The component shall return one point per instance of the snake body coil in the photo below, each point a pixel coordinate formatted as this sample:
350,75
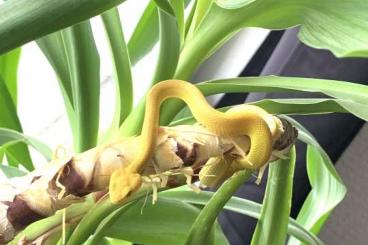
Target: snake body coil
245,120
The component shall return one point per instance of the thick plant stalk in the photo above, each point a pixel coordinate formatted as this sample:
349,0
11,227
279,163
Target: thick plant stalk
180,150
273,223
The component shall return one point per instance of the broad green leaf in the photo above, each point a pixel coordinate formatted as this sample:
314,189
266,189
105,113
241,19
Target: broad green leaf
272,226
339,26
337,89
30,20
351,96
241,206
9,119
293,106
11,136
165,68
166,222
201,229
314,106
84,67
145,35
123,74
8,70
328,190
11,172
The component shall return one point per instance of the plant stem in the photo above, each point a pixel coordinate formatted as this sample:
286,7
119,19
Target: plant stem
202,226
39,228
272,226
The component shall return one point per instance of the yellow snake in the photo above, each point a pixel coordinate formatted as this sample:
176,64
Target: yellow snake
246,120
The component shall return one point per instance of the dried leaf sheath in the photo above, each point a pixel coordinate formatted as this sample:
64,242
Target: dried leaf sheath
67,179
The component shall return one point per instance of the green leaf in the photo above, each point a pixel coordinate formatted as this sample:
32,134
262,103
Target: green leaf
190,17
339,26
2,153
11,136
272,226
201,7
337,89
107,223
300,106
84,67
233,4
314,106
166,222
352,96
9,119
293,106
165,68
123,74
22,21
328,190
53,48
238,205
169,47
11,172
200,230
165,6
8,70
97,213
145,35
110,241
178,8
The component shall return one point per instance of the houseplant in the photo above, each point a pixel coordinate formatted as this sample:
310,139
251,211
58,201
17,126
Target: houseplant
184,44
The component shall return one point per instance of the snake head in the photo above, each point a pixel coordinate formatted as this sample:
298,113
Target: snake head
122,183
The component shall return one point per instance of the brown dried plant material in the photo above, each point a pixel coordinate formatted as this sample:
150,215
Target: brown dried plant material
181,150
